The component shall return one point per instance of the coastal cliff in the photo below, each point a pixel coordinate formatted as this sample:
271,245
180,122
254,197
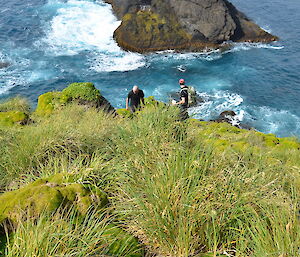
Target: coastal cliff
79,180
154,25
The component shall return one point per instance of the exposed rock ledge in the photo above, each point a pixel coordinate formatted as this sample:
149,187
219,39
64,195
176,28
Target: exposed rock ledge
192,25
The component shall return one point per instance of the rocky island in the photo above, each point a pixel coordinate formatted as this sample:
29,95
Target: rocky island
183,25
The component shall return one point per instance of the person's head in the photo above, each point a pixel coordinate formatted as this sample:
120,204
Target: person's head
181,82
135,89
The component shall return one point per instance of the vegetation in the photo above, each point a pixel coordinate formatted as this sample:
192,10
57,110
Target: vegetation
80,92
17,103
173,188
13,117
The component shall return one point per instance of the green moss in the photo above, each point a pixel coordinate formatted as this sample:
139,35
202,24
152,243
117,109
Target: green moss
151,101
51,101
224,136
43,195
148,31
124,113
289,143
123,241
13,117
85,91
271,140
48,102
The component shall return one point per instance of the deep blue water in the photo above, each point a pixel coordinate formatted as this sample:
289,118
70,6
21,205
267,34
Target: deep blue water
51,43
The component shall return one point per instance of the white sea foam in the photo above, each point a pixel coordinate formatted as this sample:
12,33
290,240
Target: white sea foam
121,61
88,26
270,120
263,118
217,102
248,46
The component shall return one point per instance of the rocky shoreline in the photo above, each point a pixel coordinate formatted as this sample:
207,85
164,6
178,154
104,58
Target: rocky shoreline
185,25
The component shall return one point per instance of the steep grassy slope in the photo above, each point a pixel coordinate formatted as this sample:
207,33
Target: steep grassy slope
182,188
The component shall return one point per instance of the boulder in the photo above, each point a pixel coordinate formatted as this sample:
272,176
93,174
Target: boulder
226,116
47,195
82,93
4,65
231,118
154,25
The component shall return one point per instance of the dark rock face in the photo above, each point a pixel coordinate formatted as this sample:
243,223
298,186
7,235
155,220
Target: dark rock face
151,25
231,118
4,65
208,20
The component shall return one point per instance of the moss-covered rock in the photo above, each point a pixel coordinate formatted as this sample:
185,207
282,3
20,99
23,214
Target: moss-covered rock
123,241
48,102
13,117
47,195
124,113
149,31
81,93
223,136
150,100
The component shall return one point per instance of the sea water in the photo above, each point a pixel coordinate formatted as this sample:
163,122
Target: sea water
51,43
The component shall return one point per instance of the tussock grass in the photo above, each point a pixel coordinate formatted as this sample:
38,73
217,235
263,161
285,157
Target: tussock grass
183,188
64,234
17,103
73,133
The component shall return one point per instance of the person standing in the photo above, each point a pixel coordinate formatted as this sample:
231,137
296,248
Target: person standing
184,100
134,99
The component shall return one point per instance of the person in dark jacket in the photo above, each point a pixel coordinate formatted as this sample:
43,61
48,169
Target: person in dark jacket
184,100
134,99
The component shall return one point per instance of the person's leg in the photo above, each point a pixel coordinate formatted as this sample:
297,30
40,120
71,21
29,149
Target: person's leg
132,108
184,115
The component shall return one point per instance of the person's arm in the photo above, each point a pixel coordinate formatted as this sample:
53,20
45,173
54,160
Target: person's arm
127,103
182,101
142,98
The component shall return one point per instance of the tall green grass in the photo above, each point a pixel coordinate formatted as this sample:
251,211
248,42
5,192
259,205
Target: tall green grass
182,189
17,103
64,234
73,133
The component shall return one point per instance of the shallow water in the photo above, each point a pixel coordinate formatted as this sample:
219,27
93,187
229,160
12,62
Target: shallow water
55,42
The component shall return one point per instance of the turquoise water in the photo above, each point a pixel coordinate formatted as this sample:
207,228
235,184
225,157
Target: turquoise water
56,42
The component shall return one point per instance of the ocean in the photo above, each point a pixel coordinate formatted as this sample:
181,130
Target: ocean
51,43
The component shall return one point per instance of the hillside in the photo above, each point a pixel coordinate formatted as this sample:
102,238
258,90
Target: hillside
78,180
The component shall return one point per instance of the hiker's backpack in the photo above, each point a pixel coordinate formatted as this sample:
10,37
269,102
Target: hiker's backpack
192,96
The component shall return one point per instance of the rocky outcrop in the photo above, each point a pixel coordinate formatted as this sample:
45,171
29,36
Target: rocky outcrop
81,93
152,25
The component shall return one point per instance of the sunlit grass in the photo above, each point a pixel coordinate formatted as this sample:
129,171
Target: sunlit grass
183,188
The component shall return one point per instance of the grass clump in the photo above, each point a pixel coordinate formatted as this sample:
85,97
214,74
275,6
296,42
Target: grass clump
63,234
72,134
17,103
182,188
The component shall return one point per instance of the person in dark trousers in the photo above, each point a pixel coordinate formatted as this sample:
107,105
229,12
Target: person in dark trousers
134,99
184,100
